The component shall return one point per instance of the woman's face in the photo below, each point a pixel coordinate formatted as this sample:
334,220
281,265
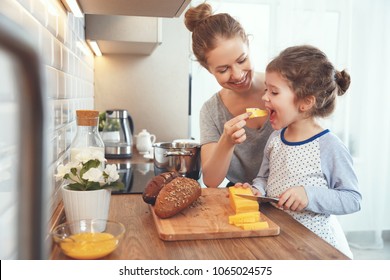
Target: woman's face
229,62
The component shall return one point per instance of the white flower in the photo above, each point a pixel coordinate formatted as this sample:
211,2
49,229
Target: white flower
85,172
111,173
93,174
62,170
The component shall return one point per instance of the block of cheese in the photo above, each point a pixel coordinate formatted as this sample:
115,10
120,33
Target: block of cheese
254,226
241,218
247,214
256,112
240,204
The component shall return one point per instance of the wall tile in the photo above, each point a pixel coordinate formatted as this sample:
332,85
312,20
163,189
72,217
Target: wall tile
32,29
54,148
62,26
46,48
12,10
72,63
68,86
57,55
65,59
25,3
52,19
61,85
51,77
57,113
65,112
39,12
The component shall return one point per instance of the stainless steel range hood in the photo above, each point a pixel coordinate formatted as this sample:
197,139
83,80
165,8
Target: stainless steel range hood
128,26
147,8
124,34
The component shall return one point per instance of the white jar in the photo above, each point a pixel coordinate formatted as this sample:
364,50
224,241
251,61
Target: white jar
145,141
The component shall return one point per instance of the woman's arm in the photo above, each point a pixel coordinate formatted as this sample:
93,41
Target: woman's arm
216,157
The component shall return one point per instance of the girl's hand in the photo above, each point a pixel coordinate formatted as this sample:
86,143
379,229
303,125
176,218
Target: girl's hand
234,129
294,199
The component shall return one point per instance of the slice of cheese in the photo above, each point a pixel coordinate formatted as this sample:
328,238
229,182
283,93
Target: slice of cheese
241,218
240,204
256,112
254,226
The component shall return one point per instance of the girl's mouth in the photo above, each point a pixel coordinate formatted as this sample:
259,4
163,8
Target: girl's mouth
272,115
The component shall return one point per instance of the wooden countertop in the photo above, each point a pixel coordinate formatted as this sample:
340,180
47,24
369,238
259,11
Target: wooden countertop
141,240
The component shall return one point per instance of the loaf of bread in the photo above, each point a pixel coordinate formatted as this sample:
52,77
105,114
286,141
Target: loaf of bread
176,196
154,186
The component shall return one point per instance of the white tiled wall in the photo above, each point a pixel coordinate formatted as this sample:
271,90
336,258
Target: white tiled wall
68,79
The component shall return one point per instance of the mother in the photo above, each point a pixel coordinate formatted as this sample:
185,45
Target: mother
232,144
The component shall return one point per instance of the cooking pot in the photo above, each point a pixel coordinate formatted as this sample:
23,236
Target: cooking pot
182,157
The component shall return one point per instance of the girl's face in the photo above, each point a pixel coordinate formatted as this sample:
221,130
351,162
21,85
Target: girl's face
230,64
280,101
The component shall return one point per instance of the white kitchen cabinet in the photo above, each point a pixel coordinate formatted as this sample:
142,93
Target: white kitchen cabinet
124,34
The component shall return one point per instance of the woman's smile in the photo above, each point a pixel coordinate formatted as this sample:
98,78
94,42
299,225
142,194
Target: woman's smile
244,82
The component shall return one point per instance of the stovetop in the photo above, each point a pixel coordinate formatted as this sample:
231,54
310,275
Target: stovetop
135,176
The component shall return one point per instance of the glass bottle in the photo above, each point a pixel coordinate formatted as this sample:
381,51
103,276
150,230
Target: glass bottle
87,137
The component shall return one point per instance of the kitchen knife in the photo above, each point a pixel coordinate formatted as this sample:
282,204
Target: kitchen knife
259,198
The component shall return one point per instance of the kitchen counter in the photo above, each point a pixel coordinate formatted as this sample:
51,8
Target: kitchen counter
141,240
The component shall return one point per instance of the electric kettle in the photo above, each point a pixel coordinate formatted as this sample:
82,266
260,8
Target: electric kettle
117,134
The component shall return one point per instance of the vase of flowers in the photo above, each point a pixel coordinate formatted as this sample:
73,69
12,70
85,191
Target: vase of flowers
86,191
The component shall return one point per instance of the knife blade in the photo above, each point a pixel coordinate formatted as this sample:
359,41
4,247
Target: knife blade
259,198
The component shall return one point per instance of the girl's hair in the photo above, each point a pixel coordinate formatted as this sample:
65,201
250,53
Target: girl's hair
309,72
207,28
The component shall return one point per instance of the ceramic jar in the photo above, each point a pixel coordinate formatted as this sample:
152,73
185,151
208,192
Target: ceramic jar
145,141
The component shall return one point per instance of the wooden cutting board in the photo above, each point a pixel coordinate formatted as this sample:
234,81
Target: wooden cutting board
207,219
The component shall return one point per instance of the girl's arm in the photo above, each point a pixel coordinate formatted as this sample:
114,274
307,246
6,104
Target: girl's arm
342,195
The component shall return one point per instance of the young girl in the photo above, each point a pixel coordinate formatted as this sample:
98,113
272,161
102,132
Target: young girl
305,165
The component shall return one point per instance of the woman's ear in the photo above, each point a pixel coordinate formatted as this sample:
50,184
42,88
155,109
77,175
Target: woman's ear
307,103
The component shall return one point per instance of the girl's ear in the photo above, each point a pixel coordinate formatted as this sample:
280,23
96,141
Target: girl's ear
307,103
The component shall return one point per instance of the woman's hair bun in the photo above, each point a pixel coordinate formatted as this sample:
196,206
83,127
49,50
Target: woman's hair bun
196,15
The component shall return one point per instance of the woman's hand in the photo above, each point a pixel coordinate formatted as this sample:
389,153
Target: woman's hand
234,128
247,185
294,199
